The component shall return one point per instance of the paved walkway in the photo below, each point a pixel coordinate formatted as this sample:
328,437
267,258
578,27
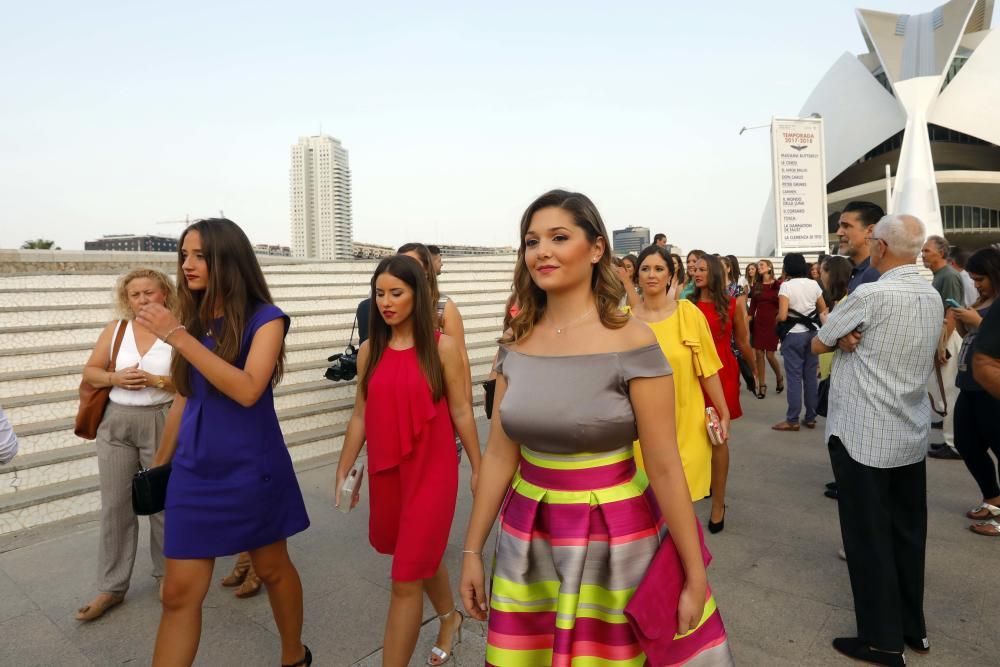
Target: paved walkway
782,590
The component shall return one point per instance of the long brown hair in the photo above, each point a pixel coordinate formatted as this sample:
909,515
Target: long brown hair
716,287
410,272
758,284
428,263
235,282
604,282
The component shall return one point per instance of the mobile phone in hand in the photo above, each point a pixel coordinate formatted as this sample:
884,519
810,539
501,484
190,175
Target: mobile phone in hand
951,303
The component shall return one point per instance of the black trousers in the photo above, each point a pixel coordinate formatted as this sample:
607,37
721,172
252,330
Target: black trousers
883,520
975,435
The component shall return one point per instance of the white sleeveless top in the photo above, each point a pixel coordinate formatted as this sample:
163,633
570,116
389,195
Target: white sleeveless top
155,361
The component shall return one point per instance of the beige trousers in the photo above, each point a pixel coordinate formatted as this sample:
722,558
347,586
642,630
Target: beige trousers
128,435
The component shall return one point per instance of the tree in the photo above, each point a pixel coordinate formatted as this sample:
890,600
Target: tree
40,244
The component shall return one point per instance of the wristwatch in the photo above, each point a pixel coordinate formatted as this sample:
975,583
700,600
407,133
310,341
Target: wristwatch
160,384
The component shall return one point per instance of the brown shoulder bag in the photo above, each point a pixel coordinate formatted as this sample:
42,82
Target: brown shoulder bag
94,400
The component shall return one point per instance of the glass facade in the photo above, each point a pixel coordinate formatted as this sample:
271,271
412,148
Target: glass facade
969,218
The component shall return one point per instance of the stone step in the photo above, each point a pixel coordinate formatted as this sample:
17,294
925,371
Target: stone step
30,507
34,470
57,433
307,329
296,276
19,384
16,318
96,297
77,354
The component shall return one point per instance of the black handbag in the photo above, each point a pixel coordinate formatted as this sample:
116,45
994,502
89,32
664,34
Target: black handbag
489,390
149,490
823,396
811,322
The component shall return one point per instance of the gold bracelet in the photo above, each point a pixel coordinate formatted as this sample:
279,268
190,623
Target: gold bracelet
172,331
477,553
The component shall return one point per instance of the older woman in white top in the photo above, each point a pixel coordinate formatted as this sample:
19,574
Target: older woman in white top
141,393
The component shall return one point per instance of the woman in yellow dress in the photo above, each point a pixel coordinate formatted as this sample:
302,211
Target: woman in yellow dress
686,341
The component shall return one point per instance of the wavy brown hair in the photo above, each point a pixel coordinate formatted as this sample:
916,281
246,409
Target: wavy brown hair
664,255
122,307
410,272
716,287
235,283
604,282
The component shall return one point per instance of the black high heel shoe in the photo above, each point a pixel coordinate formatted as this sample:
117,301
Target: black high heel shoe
714,527
780,386
305,661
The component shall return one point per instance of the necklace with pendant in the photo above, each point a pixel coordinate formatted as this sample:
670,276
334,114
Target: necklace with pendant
559,330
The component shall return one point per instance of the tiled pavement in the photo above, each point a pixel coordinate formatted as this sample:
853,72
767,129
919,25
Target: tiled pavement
782,590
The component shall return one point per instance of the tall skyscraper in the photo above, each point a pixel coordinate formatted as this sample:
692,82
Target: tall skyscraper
320,199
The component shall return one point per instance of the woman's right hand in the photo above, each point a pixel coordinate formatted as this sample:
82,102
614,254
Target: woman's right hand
472,586
341,478
130,378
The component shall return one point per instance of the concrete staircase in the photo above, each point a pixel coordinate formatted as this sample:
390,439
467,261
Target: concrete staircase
49,322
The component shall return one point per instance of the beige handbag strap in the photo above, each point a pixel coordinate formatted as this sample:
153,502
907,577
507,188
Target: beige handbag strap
944,401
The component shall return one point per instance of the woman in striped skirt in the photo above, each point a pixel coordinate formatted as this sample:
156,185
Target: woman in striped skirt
577,382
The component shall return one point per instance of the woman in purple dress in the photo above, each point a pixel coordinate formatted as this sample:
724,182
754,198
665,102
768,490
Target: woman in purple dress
232,487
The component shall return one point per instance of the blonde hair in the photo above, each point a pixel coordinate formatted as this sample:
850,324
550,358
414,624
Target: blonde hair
122,307
604,282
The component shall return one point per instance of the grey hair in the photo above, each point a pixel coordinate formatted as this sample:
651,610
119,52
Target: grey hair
903,234
941,243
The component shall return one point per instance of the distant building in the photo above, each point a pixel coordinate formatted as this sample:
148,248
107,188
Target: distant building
374,251
133,243
320,199
630,239
273,250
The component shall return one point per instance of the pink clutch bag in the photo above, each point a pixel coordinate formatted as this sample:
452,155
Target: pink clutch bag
652,611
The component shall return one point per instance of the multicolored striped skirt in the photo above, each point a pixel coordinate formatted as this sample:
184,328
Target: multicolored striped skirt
577,533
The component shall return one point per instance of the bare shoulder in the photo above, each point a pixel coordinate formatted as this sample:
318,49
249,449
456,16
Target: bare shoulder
635,334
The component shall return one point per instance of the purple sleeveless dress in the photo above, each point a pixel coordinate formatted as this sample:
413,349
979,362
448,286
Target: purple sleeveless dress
232,487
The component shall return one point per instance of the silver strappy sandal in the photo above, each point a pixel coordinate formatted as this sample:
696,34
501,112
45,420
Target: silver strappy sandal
441,655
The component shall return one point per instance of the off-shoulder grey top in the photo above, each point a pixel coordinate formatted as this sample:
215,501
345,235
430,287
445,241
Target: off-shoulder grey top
572,404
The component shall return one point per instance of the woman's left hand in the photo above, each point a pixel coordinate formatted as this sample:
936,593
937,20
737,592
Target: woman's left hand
967,316
157,319
691,606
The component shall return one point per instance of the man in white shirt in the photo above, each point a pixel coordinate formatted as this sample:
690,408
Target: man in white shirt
877,432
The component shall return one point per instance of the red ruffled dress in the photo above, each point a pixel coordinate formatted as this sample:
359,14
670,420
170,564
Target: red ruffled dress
730,373
413,479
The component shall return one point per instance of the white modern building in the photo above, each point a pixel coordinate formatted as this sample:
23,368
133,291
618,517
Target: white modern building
924,100
319,184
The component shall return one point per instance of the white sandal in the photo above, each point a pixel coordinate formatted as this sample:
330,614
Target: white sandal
442,655
976,512
989,528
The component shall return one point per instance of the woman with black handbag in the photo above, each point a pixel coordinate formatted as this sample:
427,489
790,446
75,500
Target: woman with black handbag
232,487
129,432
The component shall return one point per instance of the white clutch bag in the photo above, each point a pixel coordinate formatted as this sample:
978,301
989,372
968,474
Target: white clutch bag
351,484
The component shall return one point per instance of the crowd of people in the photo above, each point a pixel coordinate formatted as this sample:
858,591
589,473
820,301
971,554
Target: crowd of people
598,555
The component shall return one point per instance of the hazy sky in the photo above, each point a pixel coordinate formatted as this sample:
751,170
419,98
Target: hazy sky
116,115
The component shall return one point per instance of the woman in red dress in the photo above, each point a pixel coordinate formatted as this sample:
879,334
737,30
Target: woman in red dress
724,318
763,318
411,391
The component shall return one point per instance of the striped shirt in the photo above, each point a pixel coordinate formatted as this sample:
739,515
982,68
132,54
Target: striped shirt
878,404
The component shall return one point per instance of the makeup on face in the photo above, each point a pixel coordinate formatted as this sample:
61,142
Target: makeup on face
193,263
393,298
